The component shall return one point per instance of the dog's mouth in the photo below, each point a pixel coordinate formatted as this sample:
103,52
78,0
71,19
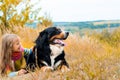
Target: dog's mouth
59,41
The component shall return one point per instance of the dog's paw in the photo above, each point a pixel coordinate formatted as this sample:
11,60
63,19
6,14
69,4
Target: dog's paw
46,68
65,68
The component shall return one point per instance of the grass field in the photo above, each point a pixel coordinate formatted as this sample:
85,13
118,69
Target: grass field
90,57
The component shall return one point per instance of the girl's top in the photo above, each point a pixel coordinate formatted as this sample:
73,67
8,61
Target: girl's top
19,61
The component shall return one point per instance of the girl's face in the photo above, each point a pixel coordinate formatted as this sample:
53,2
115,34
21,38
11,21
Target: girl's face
16,45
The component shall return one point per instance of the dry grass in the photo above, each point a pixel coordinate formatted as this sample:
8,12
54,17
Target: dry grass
89,59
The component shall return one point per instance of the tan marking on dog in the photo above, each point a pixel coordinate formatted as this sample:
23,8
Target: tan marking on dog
61,35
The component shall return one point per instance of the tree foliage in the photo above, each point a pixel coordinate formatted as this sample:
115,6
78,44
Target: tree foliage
17,12
46,21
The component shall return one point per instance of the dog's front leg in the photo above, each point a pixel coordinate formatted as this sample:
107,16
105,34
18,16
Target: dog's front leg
64,66
46,68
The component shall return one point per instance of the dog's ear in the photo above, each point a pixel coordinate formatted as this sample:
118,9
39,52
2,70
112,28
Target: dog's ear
42,38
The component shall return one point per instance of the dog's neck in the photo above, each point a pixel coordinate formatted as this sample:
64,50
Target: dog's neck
56,49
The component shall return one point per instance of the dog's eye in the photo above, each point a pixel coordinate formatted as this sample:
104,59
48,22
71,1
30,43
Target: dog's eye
59,30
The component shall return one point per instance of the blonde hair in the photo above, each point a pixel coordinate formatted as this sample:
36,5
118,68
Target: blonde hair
6,52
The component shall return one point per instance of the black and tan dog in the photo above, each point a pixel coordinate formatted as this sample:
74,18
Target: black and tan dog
48,53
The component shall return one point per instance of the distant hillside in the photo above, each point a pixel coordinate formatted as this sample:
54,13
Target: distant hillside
90,24
77,26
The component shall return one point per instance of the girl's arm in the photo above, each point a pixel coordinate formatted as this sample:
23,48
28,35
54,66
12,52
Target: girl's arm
20,72
12,74
9,72
27,51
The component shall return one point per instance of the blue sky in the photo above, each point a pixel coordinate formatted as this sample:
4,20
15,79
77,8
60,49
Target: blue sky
81,10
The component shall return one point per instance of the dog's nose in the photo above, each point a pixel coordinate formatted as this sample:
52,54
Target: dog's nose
67,33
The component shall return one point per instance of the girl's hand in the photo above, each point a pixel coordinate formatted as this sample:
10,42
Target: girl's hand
22,71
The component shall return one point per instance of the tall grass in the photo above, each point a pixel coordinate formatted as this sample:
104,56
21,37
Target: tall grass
91,57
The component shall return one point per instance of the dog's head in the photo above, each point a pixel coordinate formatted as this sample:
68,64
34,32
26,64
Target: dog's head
52,35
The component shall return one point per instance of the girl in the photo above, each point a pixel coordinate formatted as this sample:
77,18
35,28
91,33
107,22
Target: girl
12,54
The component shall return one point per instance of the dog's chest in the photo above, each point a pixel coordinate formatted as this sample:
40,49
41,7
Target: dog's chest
55,51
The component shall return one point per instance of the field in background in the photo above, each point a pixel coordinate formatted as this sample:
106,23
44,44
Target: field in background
94,56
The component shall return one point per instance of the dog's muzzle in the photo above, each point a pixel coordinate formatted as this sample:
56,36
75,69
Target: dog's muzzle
65,35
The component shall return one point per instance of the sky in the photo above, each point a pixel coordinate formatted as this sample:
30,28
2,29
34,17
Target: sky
80,10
